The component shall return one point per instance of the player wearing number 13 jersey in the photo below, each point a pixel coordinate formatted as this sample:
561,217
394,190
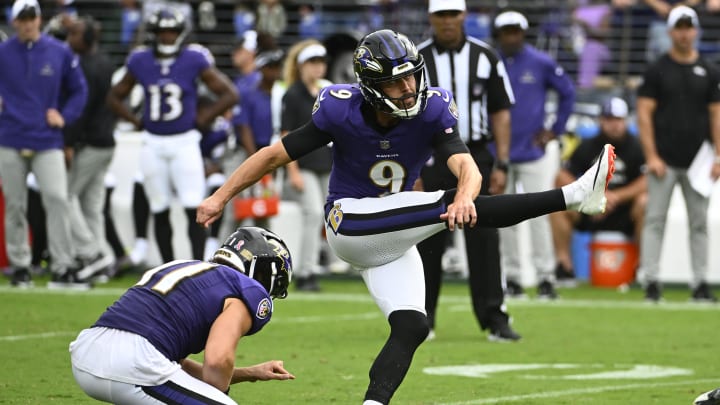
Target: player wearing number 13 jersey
383,129
170,156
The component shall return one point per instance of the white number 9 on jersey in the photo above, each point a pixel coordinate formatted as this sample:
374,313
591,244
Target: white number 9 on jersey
388,174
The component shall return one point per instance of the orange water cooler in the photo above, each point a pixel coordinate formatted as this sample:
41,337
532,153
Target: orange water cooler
613,259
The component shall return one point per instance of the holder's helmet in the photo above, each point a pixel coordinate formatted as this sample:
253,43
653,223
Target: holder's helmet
383,56
259,254
167,19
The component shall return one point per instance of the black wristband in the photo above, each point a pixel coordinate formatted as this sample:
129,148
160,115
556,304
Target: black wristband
502,165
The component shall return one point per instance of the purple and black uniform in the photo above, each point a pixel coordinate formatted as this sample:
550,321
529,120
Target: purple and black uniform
370,161
173,306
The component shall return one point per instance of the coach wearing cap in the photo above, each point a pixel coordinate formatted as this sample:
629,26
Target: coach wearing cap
474,73
627,190
42,89
678,108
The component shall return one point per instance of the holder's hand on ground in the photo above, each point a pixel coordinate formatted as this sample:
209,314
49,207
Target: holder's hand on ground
270,370
209,211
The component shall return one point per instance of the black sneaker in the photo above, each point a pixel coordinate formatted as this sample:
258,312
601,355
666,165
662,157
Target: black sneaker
513,289
21,278
702,293
565,277
652,292
308,283
503,333
708,398
546,291
93,266
68,281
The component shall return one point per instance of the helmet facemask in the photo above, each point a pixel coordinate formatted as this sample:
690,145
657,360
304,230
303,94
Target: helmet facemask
168,50
168,20
382,102
385,56
274,283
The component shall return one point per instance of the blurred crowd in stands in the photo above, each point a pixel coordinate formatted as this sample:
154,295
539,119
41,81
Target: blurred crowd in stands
600,43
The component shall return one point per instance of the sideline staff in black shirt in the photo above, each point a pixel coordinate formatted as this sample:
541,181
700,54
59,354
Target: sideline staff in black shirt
678,108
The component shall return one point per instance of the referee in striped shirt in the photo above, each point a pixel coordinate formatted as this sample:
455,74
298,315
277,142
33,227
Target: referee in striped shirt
477,78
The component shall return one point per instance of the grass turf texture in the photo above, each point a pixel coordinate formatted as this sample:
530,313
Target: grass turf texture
328,340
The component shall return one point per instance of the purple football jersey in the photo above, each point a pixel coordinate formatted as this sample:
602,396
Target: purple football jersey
170,87
174,305
368,162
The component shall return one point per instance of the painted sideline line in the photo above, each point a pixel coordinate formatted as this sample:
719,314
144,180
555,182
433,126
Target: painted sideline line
300,319
452,299
580,391
607,304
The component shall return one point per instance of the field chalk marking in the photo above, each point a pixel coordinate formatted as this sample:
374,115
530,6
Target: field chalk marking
35,336
458,302
300,319
579,391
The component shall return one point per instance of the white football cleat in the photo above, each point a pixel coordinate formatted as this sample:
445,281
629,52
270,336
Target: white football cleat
589,190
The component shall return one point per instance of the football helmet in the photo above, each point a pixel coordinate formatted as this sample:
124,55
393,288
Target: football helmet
167,19
383,56
260,255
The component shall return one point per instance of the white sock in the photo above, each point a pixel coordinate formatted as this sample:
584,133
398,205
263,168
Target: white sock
573,194
371,402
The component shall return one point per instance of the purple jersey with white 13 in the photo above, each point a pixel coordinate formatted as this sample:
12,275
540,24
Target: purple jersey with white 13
170,87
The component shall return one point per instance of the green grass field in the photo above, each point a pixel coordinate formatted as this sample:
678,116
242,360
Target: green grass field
592,346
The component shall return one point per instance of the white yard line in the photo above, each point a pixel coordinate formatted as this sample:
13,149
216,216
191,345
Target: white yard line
300,319
460,302
346,317
604,304
36,336
44,291
710,382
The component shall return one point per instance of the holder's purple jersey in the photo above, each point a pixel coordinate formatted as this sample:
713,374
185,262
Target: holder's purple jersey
174,305
170,87
369,161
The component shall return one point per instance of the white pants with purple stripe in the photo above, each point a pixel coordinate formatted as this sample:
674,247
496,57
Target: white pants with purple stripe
378,236
124,368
